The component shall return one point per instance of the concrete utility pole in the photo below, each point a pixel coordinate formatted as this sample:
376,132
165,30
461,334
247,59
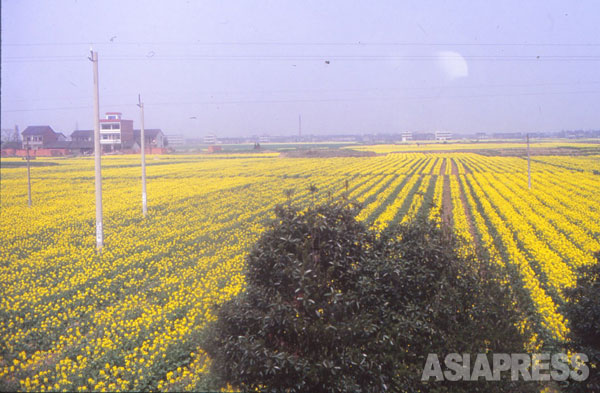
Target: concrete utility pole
28,177
143,148
528,165
97,153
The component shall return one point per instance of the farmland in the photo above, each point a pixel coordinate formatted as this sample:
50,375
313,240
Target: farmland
132,318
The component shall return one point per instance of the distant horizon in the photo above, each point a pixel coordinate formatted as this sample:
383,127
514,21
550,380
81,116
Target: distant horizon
318,133
454,136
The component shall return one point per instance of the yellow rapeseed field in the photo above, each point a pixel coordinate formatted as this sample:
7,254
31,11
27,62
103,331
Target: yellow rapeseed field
132,317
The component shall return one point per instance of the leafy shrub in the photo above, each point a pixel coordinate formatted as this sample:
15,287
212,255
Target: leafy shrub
583,311
332,306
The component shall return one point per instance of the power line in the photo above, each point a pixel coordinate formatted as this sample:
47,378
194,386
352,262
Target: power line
354,99
45,109
328,58
307,43
299,91
371,98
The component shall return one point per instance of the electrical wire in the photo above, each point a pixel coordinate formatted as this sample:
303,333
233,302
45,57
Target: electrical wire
314,100
326,58
283,43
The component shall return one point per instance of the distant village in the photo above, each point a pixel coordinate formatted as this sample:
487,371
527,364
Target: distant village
378,138
117,135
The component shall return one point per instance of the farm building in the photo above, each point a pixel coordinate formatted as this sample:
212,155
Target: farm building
37,137
406,136
115,132
210,139
116,135
174,140
82,135
443,135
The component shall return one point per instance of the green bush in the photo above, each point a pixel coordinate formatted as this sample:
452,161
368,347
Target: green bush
583,311
332,306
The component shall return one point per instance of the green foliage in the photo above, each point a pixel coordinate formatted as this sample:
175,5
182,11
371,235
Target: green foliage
332,306
583,311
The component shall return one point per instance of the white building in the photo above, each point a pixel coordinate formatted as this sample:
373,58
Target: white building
175,140
210,139
443,135
115,133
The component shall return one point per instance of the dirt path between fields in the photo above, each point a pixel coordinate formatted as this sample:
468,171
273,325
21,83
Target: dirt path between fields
454,167
446,198
443,167
446,205
467,169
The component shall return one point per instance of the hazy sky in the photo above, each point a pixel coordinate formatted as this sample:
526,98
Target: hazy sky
251,67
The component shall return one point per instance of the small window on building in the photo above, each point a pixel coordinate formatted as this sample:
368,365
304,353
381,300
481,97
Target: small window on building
106,126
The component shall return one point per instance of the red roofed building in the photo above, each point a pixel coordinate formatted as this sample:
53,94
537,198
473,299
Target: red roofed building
37,137
115,133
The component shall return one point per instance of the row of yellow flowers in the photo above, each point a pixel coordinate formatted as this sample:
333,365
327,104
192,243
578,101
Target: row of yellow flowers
552,321
544,236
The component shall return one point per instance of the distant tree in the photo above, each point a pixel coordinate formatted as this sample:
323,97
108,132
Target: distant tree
583,311
11,135
331,306
16,136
